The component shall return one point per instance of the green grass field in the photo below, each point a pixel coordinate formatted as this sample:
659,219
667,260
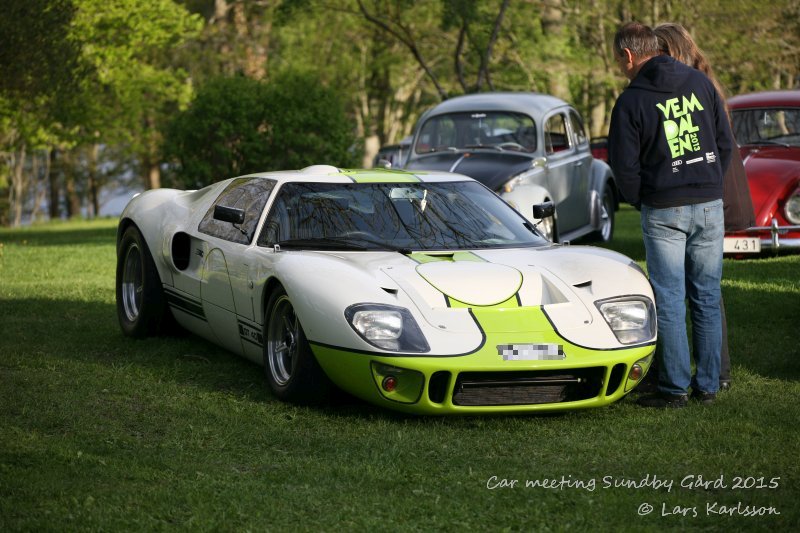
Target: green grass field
101,432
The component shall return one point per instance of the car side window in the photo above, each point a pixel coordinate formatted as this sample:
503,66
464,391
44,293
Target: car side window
248,194
577,127
556,138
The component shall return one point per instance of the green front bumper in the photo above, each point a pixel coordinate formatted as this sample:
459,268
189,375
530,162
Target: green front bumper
482,382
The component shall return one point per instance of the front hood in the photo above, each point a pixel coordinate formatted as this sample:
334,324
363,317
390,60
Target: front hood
446,292
493,169
771,172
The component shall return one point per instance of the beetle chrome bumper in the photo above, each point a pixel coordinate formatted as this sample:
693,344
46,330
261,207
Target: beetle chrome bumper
775,241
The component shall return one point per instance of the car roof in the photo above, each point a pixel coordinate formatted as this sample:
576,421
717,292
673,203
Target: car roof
331,174
534,104
790,98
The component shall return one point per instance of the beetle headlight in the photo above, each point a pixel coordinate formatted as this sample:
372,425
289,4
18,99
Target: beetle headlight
387,327
511,184
792,208
632,319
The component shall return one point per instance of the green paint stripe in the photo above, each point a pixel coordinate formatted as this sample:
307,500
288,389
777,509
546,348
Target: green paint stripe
382,176
456,304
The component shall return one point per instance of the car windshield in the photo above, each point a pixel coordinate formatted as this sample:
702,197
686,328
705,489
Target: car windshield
466,131
767,126
391,216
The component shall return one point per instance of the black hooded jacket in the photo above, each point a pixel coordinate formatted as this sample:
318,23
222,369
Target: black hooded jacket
669,142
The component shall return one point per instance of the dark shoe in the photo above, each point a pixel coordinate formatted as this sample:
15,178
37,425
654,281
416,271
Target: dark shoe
706,398
646,386
724,384
663,401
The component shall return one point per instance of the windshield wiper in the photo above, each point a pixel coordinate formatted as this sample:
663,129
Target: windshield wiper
484,146
768,141
341,243
383,245
322,243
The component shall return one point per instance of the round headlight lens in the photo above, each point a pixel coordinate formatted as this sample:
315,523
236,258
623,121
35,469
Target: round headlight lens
379,325
792,208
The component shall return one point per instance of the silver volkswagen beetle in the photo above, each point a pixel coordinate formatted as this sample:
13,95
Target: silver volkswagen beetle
530,148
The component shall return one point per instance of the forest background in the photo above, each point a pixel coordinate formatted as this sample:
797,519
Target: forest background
101,95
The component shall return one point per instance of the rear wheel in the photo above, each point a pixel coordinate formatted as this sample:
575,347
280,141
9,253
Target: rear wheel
606,230
292,371
141,306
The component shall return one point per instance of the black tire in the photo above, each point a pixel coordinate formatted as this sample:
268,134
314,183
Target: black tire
606,231
293,373
141,306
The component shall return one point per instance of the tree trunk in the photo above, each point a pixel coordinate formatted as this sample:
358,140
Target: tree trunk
71,192
153,180
39,182
91,182
16,193
52,179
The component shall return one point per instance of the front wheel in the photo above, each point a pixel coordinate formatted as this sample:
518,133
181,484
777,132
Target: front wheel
292,371
141,306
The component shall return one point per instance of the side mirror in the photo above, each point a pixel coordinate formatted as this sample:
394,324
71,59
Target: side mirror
384,163
228,214
544,210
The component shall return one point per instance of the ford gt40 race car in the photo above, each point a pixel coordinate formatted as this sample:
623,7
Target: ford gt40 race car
421,292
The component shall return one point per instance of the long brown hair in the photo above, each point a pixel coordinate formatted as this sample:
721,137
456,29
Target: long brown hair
674,40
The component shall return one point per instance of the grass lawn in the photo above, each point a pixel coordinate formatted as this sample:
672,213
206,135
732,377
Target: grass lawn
101,432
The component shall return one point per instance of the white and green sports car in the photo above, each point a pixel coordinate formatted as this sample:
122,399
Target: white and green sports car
421,292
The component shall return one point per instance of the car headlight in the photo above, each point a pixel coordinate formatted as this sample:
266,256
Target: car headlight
511,184
792,208
632,319
387,327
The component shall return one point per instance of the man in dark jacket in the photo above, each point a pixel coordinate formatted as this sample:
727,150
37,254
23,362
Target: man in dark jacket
669,146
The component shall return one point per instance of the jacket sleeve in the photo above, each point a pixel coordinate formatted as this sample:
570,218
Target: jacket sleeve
623,152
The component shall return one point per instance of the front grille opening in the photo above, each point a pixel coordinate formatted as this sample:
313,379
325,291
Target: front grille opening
437,387
528,387
615,380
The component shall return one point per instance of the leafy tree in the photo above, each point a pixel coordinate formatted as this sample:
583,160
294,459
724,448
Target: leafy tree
238,125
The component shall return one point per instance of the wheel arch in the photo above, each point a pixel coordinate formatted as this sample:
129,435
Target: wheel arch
602,175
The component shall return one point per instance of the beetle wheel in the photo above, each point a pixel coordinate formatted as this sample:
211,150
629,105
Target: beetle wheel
606,230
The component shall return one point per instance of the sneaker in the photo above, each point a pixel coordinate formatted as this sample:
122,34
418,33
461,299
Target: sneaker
724,384
706,398
663,401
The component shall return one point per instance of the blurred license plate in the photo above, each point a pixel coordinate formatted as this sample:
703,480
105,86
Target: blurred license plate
741,245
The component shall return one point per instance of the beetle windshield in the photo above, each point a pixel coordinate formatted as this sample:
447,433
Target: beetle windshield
394,216
466,131
767,126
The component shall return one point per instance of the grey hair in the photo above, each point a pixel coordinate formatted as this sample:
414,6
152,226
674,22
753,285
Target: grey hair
639,38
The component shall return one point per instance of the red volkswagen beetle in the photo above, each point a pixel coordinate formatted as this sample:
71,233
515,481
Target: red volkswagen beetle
767,128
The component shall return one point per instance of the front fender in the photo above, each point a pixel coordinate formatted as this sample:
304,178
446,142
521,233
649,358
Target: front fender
524,197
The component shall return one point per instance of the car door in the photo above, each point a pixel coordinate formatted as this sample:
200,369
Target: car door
583,168
225,290
566,173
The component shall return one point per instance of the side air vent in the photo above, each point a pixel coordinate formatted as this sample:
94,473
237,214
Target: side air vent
181,245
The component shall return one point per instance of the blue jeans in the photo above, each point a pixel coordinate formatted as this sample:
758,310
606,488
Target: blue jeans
684,260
